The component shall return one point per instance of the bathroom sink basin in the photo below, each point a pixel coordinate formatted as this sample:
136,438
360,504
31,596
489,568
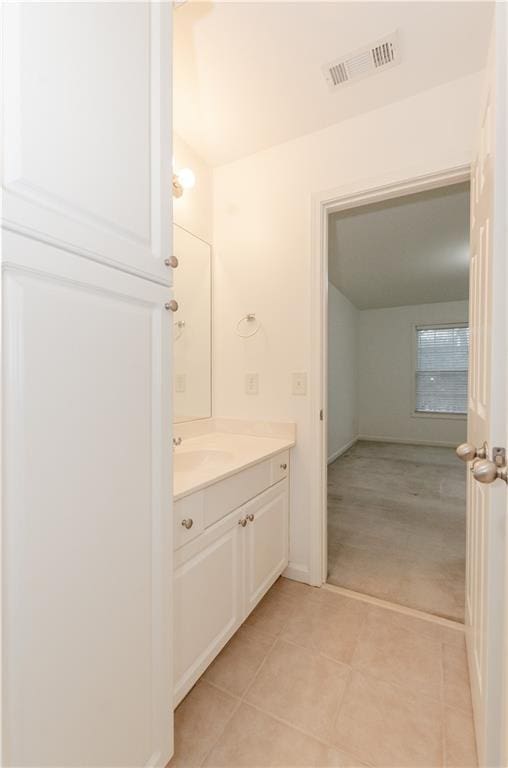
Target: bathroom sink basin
189,461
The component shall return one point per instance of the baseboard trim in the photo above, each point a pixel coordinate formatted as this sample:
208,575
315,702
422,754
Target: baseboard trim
336,454
450,623
297,572
404,441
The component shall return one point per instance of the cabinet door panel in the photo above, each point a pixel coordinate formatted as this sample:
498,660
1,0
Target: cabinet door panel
207,595
86,102
266,543
87,536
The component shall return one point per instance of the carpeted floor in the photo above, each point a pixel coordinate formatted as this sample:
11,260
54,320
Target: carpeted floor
397,525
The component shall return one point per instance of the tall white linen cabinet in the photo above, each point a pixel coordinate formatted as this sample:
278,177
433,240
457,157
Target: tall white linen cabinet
86,533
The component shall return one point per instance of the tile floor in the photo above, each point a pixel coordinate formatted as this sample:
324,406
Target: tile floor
396,525
314,678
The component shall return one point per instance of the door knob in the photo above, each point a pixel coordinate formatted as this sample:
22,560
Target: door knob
172,305
486,471
188,523
171,262
467,452
242,522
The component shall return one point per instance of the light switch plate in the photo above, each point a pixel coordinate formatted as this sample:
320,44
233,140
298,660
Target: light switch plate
299,383
180,383
251,383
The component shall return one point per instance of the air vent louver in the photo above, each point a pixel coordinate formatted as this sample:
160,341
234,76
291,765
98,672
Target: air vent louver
380,55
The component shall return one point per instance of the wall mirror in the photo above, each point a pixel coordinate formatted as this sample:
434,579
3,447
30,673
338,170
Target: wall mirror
192,329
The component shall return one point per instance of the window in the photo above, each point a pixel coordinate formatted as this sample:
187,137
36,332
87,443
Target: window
441,369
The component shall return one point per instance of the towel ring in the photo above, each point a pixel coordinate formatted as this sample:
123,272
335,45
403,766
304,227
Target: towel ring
250,318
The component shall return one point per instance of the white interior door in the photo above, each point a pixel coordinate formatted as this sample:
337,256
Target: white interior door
487,504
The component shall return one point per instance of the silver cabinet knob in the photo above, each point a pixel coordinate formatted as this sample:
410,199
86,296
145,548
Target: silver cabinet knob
171,262
172,305
250,517
468,452
486,471
188,523
283,466
242,521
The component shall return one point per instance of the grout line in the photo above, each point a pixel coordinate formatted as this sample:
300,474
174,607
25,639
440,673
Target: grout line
246,691
442,707
308,734
226,723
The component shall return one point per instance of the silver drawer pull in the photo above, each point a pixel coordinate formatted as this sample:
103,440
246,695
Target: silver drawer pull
250,517
242,521
283,466
188,523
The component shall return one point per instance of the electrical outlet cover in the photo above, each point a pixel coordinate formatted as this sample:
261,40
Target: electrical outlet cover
299,383
251,383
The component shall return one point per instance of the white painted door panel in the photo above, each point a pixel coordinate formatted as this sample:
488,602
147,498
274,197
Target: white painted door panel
207,600
86,512
86,107
267,542
487,504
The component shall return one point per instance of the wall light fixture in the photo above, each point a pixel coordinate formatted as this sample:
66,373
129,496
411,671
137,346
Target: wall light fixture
184,179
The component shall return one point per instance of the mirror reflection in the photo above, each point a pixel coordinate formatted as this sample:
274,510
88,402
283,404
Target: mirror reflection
192,327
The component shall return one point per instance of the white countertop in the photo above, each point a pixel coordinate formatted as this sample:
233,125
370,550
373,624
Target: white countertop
204,459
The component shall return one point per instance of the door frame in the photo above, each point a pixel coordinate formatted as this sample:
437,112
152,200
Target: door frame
343,198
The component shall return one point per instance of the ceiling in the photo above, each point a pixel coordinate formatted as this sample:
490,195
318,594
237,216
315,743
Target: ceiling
248,76
410,250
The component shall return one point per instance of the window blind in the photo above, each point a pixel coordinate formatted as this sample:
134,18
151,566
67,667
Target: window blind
441,369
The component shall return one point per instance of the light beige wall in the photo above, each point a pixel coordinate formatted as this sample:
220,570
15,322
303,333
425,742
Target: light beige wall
262,245
386,374
193,211
343,352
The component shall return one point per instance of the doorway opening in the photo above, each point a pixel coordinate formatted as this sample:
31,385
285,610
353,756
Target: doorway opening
395,369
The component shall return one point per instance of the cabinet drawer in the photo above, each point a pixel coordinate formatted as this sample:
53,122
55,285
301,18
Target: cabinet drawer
190,510
279,466
229,494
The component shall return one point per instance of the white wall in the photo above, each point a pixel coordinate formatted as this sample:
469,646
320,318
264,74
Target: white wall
193,211
262,245
386,388
343,318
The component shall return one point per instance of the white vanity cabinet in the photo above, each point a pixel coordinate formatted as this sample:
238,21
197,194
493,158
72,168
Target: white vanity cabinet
208,599
226,568
266,542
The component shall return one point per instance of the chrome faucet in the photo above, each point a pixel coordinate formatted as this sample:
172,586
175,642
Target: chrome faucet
177,441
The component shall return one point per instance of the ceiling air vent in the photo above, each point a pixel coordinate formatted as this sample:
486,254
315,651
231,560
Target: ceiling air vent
380,55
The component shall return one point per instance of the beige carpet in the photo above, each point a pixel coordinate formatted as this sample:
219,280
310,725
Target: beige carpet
397,525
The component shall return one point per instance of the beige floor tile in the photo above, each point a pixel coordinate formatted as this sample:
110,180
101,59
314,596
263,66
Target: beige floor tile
253,739
388,727
301,687
235,667
271,615
397,655
199,721
330,625
295,589
460,747
457,691
447,634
